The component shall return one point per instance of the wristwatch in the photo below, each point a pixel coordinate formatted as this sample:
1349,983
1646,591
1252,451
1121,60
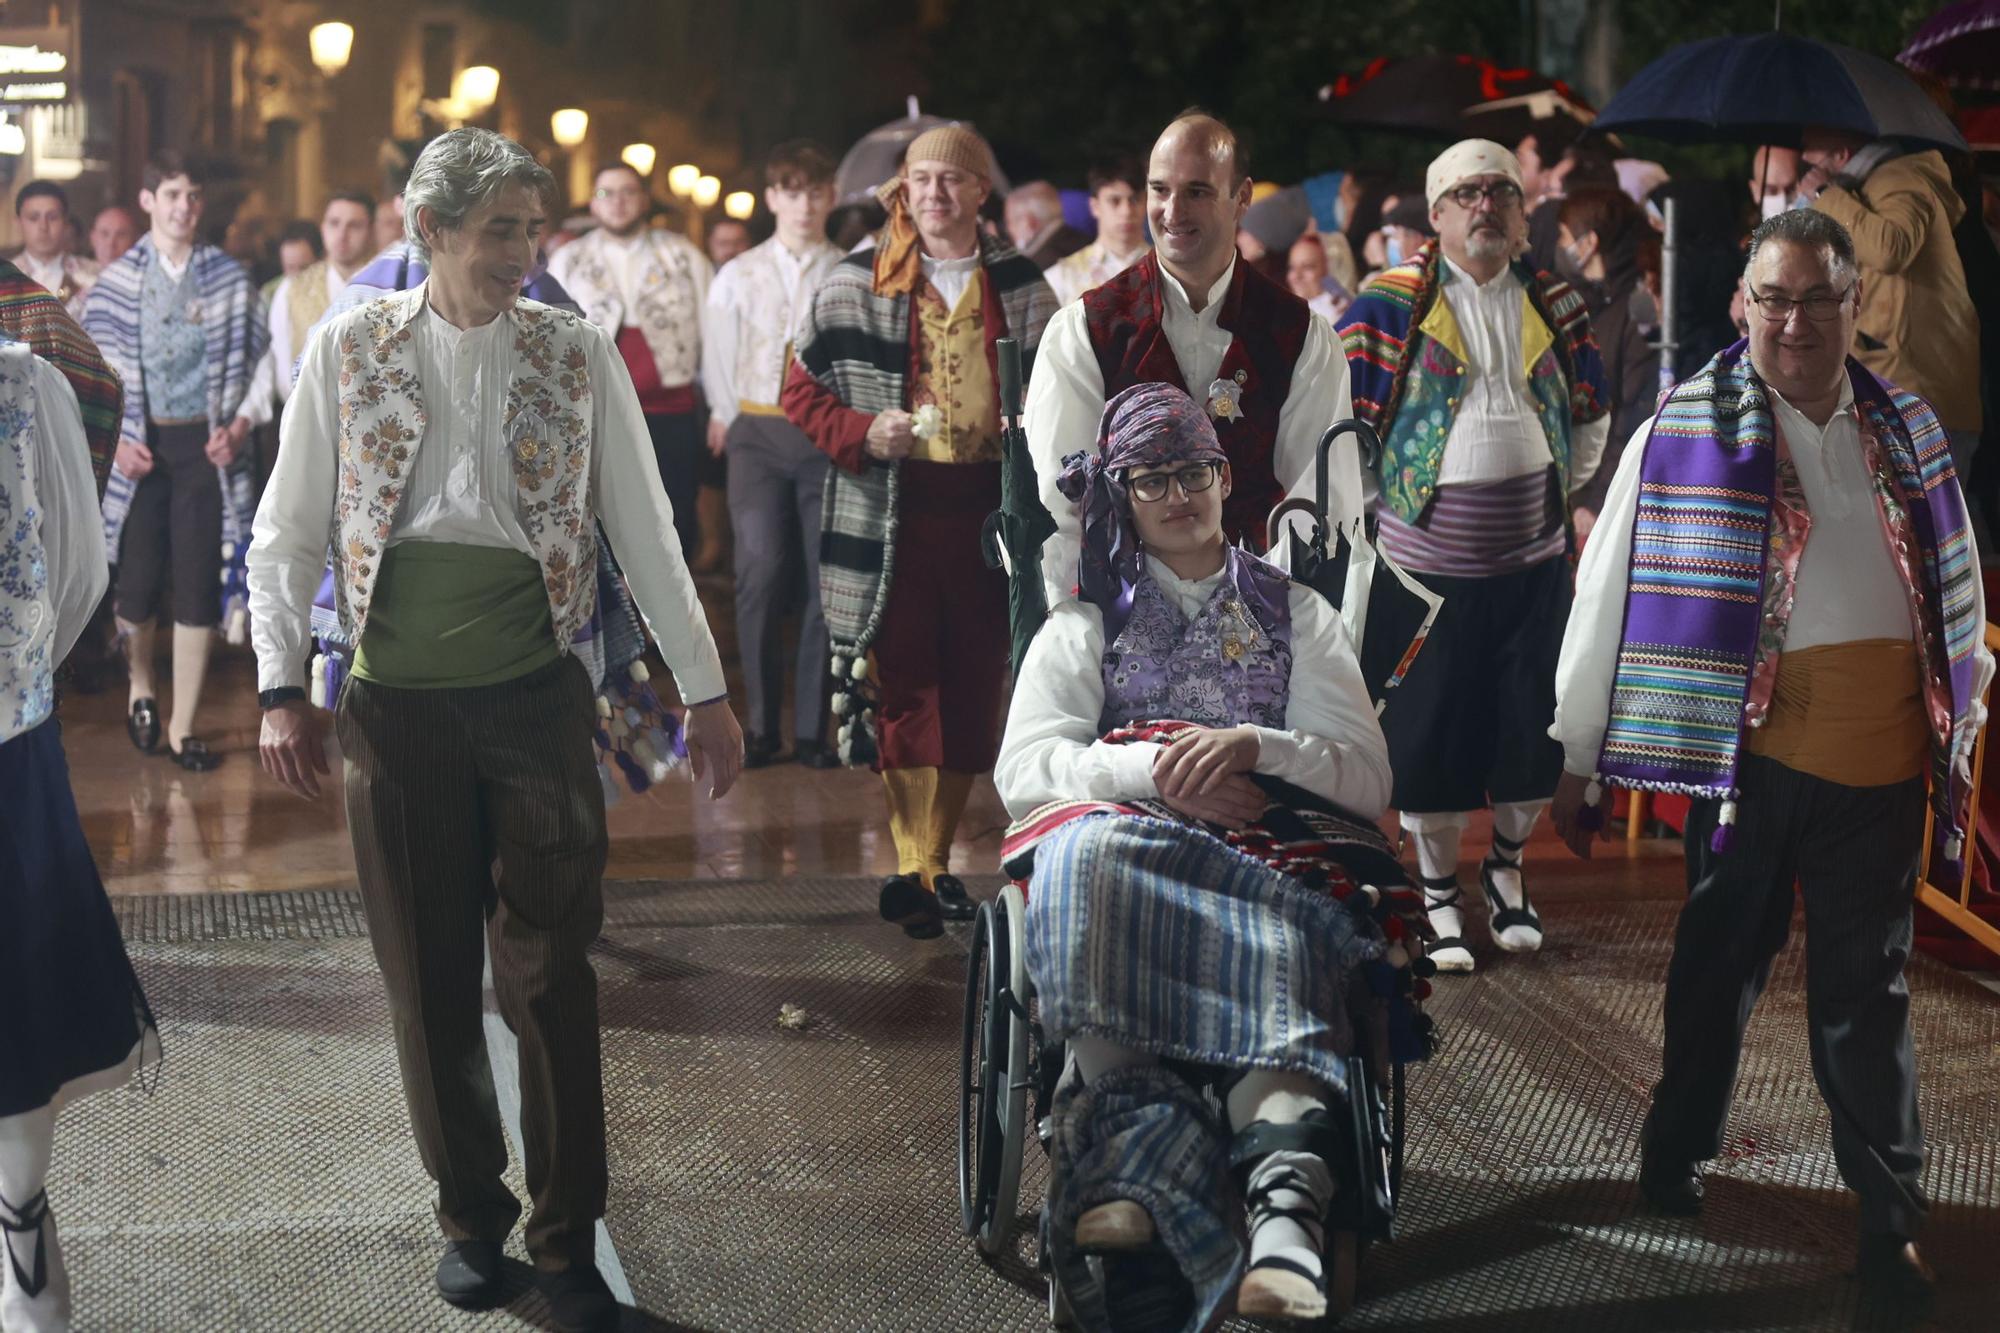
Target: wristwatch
284,694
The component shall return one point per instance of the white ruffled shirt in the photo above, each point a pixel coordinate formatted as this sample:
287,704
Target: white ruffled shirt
1331,743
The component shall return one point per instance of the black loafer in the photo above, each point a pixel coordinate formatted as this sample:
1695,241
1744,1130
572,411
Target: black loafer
815,754
1673,1188
468,1276
759,751
143,725
907,903
953,901
194,756
579,1301
1893,1270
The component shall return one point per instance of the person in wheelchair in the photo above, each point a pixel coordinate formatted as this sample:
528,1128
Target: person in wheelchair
1193,758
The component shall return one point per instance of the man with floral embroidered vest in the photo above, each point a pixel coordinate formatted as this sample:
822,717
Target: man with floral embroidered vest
457,446
179,323
1780,615
1480,376
777,480
897,382
1191,315
646,287
76,1019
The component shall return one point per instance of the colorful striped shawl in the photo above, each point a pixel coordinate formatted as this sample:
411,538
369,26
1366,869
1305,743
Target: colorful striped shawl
237,335
32,314
1694,608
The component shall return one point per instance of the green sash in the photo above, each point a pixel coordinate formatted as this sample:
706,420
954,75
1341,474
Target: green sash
450,616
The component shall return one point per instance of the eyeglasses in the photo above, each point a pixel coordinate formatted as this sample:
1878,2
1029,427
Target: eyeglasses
1501,194
1819,309
1152,487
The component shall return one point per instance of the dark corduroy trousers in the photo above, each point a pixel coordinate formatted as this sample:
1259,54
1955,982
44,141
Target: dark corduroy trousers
1853,852
479,809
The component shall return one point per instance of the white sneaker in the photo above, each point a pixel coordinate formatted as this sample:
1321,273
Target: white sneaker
1509,915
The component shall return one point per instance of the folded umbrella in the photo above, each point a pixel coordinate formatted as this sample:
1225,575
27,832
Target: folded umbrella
1013,535
1768,89
1959,44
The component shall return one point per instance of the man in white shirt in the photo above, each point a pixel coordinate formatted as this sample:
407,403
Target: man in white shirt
1269,371
1118,203
456,446
42,208
646,287
345,231
776,477
1780,613
1480,377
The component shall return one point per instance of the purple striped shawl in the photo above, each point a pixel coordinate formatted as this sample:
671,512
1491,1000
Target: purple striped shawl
1695,591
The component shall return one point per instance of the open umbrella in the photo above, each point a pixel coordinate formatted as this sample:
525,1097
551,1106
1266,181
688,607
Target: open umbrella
877,155
1430,96
1959,44
1770,87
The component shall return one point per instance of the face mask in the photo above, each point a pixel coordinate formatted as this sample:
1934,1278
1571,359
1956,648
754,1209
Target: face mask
1392,248
1568,261
1774,204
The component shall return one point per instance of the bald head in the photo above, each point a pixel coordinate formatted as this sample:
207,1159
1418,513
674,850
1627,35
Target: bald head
1200,133
1196,195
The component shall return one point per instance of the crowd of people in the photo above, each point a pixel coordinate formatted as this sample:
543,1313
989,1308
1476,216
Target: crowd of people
506,441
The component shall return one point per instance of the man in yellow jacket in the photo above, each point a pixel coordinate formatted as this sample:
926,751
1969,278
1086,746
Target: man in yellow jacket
1917,327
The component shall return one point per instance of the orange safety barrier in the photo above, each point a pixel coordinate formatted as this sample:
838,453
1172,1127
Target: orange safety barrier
1959,910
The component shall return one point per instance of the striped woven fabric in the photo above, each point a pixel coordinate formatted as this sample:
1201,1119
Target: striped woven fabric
1699,541
1678,708
1479,530
32,314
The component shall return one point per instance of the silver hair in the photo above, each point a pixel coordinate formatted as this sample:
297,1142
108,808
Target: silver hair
1813,229
461,170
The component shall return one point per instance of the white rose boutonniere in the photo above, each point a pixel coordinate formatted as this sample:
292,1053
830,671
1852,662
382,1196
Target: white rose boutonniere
926,421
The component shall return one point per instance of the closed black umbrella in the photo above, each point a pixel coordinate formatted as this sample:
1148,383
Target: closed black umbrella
1450,97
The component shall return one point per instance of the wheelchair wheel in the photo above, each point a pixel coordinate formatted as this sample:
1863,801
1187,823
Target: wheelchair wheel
993,1075
1060,1315
1343,1273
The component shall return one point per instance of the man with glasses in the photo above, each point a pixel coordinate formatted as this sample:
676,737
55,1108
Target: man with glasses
1481,377
1781,615
645,287
1268,371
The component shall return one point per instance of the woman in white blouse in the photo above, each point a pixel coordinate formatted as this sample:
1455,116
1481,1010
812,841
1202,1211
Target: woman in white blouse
1188,724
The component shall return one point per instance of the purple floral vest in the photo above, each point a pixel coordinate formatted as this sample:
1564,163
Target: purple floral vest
1231,665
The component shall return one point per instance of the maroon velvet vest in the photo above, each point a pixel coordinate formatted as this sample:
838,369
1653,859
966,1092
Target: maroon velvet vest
1269,324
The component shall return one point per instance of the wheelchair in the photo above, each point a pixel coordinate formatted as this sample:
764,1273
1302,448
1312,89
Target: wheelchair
1009,1069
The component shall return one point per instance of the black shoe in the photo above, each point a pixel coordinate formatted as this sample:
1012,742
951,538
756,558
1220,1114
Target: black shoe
143,725
952,898
194,756
1146,1292
1673,1188
1893,1270
907,903
579,1302
816,754
759,751
468,1276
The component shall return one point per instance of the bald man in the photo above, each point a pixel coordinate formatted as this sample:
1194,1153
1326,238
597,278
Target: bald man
1189,314
1035,224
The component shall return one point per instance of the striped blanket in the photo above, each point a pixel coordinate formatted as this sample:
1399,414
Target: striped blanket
32,314
236,338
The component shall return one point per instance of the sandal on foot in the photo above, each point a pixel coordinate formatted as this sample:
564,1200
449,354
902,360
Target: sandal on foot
1448,952
1515,929
194,755
142,724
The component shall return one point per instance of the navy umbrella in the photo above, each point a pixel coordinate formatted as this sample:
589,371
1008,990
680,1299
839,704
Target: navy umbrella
1768,88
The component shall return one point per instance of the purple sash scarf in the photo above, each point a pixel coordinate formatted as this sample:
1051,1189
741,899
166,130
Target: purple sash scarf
1694,604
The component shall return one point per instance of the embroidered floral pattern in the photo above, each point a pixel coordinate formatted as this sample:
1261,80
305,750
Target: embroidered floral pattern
27,676
1166,666
547,424
664,307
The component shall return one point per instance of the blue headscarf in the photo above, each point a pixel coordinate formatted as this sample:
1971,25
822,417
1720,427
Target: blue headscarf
1147,425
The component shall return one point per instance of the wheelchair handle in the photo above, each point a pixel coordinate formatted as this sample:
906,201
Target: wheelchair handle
1008,352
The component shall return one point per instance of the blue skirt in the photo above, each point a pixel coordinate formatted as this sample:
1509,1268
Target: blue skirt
75,1016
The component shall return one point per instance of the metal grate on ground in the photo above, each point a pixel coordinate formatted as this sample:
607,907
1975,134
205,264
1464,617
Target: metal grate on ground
773,1179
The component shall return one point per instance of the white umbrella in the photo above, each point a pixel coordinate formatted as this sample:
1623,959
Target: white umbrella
877,155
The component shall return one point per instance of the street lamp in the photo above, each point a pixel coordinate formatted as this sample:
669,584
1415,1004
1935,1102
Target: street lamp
476,88
640,157
707,190
569,126
332,44
740,204
681,179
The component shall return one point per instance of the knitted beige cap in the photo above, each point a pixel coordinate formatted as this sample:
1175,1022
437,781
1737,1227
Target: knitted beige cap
954,145
1466,159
